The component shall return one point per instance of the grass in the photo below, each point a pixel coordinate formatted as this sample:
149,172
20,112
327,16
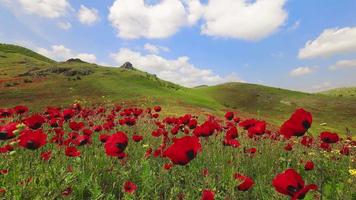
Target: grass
107,84
94,175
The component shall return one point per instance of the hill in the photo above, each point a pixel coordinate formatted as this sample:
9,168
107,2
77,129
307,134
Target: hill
29,78
341,92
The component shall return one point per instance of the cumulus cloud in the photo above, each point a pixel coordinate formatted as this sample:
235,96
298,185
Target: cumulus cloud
43,8
135,19
64,25
330,42
241,19
155,49
179,70
301,71
88,16
344,64
61,53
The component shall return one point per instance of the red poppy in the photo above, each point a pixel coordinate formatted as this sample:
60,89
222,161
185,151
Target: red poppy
297,124
229,115
2,191
288,147
208,195
309,165
30,139
46,155
345,150
246,182
192,124
20,109
167,166
5,113
116,144
291,183
205,172
5,149
72,152
76,126
148,152
82,140
157,108
207,128
130,187
68,191
103,137
183,150
4,171
68,114
137,138
34,122
7,131
307,141
325,146
328,137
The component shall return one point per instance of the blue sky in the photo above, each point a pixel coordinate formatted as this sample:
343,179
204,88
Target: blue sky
296,44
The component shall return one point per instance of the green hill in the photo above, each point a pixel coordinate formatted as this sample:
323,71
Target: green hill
29,78
341,92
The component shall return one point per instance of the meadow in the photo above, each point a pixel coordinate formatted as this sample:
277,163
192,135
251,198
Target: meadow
118,152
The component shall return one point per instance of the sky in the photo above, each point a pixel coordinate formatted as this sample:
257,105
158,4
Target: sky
294,44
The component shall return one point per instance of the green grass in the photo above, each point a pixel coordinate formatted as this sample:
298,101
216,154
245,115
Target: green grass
108,84
342,92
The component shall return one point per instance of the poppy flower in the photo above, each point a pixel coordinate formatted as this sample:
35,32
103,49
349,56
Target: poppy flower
30,139
34,122
167,166
20,109
345,150
192,124
246,182
5,113
103,137
4,171
329,138
82,140
297,124
137,138
205,172
148,152
7,131
208,195
116,144
206,129
307,141
229,115
325,146
183,150
157,108
46,155
2,191
68,114
130,187
288,147
292,184
68,191
5,149
258,128
72,152
76,126
309,166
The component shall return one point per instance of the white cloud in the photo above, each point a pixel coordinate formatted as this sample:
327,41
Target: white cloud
330,42
155,49
88,16
242,19
344,64
135,19
301,71
61,53
179,70
64,25
43,8
91,58
322,87
295,26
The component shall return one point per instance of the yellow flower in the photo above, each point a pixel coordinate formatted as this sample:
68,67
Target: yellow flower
352,172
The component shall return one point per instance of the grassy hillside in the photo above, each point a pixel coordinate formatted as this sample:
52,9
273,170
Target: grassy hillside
341,92
29,78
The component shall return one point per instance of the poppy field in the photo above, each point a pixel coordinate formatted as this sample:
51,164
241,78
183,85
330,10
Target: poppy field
120,152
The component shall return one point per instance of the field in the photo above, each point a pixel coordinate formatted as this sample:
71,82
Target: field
82,131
